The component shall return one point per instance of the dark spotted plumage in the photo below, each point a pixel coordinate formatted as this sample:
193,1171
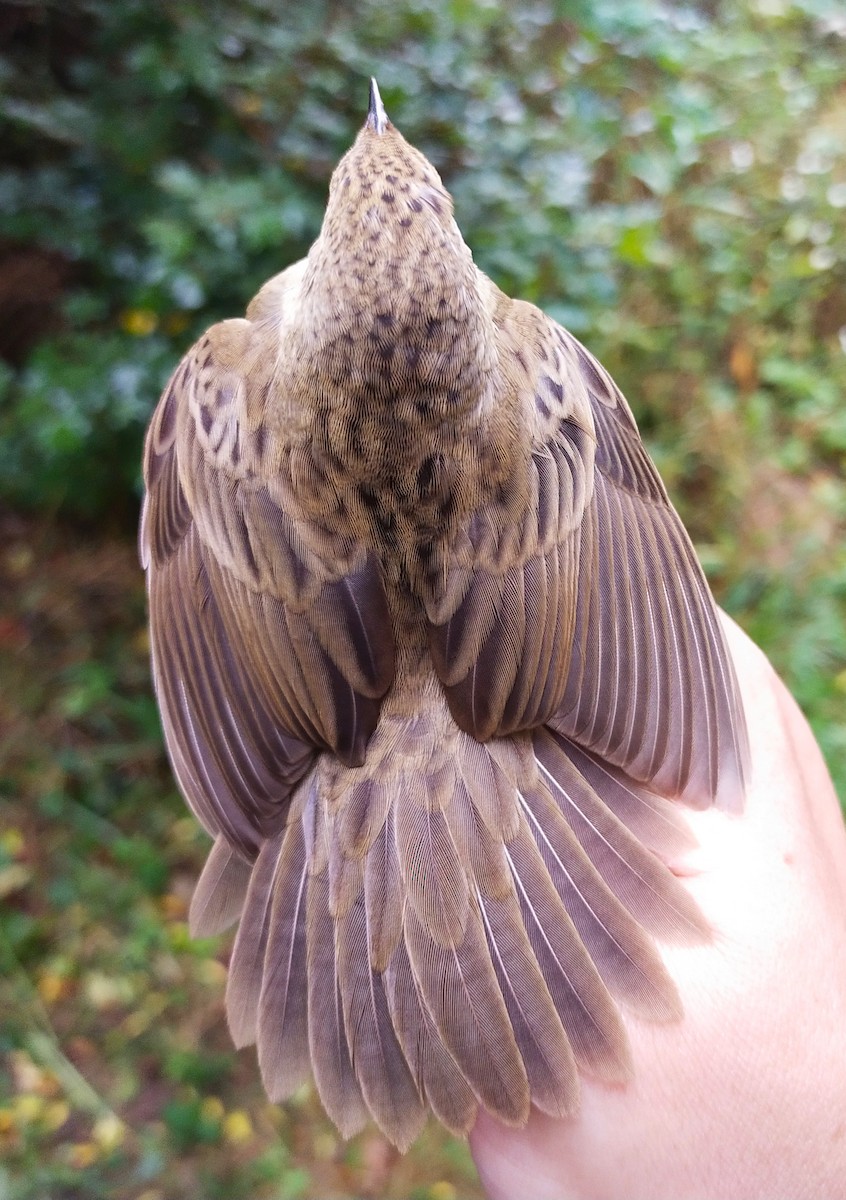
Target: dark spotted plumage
433,655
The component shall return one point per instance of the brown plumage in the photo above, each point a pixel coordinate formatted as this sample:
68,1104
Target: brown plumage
433,653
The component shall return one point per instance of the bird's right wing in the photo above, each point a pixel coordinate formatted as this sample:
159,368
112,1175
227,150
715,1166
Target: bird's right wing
575,597
651,686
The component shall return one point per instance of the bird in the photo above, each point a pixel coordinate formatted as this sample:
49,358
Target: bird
435,662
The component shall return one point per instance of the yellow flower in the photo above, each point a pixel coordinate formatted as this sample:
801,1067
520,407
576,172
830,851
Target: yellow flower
12,841
82,1155
55,1115
28,1109
247,104
140,322
51,987
109,1131
237,1127
212,1108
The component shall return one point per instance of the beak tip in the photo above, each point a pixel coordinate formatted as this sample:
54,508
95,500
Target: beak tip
377,118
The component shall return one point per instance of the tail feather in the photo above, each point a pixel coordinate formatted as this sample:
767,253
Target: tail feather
480,849
383,896
436,1073
459,987
435,879
546,1052
655,821
378,1061
451,937
246,967
334,1073
219,896
588,1014
493,793
624,956
283,1048
636,877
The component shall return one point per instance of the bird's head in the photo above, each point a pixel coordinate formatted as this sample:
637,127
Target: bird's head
390,282
386,196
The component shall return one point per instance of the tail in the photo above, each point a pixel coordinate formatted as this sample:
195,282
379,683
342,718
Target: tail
456,933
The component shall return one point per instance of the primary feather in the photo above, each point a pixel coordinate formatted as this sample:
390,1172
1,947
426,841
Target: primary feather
433,655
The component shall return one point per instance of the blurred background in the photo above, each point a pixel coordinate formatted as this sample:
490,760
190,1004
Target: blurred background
668,180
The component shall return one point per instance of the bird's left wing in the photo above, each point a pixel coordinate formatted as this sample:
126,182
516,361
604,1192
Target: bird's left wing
271,638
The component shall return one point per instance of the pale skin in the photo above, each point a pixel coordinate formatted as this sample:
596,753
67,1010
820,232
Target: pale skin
746,1097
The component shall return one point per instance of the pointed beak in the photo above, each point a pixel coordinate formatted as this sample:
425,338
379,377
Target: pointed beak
377,118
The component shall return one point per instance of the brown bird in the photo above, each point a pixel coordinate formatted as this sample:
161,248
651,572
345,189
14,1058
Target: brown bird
433,654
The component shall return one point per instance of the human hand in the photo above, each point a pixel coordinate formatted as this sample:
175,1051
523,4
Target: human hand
746,1096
